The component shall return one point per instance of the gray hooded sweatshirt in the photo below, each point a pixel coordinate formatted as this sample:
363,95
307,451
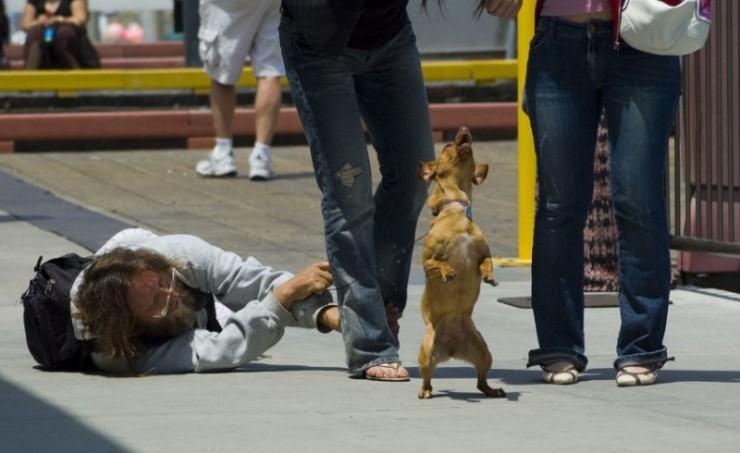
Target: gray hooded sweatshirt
252,320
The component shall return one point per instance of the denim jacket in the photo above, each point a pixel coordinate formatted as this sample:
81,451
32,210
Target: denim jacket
254,322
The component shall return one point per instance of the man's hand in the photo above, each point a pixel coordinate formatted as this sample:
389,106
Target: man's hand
314,279
503,8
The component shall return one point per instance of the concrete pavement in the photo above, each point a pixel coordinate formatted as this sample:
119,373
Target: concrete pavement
299,398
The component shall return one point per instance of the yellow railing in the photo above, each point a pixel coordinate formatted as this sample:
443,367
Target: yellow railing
526,160
477,71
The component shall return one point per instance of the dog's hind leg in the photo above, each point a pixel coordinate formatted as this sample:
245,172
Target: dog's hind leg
427,362
476,352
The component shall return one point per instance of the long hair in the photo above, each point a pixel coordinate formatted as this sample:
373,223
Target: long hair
102,299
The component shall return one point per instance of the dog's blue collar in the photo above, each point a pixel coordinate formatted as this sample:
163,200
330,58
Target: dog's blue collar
462,203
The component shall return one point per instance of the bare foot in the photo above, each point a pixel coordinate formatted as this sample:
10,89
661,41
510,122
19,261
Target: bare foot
387,372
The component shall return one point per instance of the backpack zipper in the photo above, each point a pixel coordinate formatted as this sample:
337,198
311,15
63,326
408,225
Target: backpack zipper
49,286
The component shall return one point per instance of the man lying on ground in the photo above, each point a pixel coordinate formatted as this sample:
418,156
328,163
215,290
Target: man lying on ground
141,300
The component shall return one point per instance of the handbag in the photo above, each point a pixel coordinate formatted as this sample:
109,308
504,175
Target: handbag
665,27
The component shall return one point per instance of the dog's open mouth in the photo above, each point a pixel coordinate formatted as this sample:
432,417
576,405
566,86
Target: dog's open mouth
463,139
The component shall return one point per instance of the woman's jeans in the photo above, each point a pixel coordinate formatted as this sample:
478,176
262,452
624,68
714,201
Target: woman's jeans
369,237
574,71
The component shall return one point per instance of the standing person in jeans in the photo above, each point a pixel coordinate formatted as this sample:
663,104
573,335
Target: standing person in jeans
577,64
349,62
229,31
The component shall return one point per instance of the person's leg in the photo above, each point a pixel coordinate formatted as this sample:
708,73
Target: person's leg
563,106
394,105
223,103
267,108
640,101
268,67
226,33
34,47
324,92
220,161
65,47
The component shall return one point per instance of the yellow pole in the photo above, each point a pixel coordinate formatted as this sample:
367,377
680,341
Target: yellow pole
526,160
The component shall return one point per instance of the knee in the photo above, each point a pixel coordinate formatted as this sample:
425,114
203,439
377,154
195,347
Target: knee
34,35
66,35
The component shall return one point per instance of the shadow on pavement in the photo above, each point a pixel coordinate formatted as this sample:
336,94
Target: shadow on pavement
30,424
474,397
468,372
264,367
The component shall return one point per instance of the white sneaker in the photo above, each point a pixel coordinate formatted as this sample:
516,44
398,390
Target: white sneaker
218,167
260,165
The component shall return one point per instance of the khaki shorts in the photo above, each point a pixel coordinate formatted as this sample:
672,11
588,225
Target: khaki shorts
231,30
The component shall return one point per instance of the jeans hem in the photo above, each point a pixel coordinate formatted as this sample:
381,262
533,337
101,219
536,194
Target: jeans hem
548,356
657,359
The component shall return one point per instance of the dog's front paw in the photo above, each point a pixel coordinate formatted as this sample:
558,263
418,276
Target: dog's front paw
447,274
491,280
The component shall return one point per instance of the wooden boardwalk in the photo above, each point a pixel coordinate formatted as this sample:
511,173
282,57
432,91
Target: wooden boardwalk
277,220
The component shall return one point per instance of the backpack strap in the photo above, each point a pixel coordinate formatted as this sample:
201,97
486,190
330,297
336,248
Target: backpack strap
207,301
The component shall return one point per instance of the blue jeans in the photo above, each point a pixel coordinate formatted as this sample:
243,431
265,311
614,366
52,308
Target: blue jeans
574,71
369,237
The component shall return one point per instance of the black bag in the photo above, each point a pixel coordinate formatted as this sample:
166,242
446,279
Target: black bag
46,315
48,321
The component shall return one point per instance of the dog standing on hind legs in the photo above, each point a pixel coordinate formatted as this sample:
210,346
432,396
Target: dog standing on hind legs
456,258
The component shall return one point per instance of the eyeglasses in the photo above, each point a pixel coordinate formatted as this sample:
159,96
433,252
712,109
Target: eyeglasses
162,313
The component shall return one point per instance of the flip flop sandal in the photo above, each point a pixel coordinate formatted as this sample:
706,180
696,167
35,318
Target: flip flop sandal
393,366
628,379
563,377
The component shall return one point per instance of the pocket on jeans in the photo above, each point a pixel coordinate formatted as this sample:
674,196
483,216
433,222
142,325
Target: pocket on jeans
540,36
208,47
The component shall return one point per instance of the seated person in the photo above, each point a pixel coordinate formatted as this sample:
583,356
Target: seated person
56,37
136,300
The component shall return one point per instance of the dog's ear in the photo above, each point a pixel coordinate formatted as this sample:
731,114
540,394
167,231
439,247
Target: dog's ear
427,170
481,171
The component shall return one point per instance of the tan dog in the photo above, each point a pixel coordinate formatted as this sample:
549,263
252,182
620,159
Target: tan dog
456,257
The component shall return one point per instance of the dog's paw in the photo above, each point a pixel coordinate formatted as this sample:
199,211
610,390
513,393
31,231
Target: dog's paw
448,274
425,394
491,280
492,392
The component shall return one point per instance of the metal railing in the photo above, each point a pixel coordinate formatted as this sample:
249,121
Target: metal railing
706,183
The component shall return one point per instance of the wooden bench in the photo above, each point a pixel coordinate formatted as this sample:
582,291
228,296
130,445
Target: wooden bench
163,54
196,126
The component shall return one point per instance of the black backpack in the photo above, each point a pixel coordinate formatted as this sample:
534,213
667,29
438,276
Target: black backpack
46,315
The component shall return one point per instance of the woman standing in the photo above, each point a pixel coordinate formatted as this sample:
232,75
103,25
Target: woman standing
577,65
349,63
